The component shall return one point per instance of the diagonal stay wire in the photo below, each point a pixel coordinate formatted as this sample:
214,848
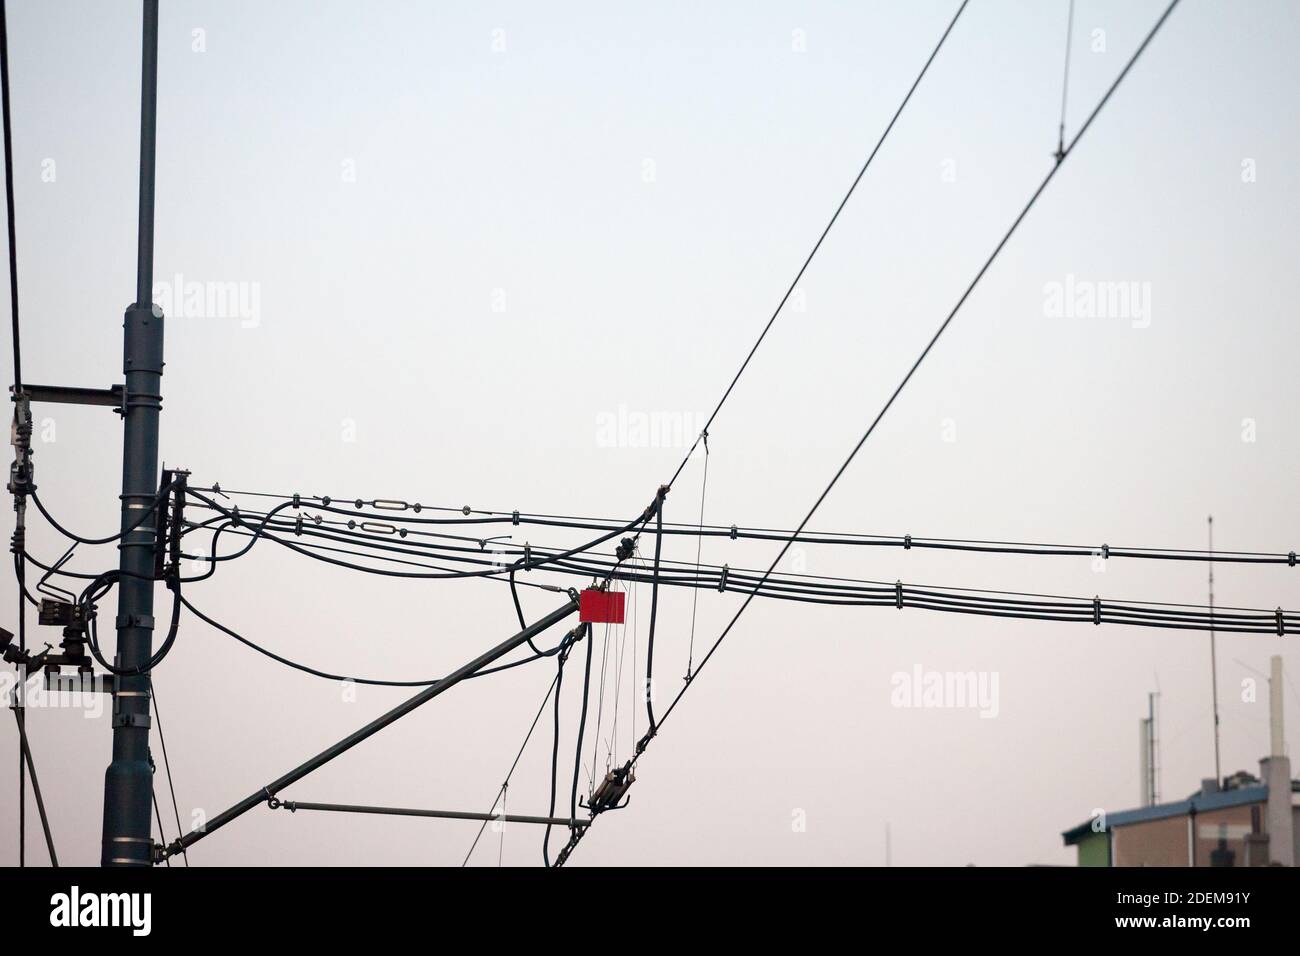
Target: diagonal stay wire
699,545
506,783
167,765
924,353
822,238
162,834
1065,84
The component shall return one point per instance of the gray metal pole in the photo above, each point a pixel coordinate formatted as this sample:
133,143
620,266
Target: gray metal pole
128,784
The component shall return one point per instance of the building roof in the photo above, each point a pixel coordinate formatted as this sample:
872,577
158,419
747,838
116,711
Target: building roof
1198,802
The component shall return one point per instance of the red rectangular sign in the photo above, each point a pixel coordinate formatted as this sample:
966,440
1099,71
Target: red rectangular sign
600,607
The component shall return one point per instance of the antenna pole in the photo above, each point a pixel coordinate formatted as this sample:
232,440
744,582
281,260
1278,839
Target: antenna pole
128,783
1214,665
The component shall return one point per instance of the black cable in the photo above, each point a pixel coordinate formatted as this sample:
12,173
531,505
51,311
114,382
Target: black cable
555,748
494,572
9,196
372,682
144,516
11,224
582,725
822,238
654,607
822,589
95,591
857,539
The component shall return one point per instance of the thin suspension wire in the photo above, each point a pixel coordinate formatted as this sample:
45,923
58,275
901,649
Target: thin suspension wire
1033,199
515,763
699,544
822,238
157,815
167,765
1065,83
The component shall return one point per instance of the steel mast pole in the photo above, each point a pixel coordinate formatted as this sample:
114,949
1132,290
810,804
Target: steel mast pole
128,784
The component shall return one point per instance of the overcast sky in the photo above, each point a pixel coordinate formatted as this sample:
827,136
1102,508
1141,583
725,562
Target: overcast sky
469,236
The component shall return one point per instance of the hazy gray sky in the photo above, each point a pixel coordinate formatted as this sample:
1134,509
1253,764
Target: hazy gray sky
470,232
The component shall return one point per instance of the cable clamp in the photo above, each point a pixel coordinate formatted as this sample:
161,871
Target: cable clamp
733,532
132,720
135,620
722,581
898,594
1105,552
235,519
907,542
1290,559
297,500
1096,609
514,518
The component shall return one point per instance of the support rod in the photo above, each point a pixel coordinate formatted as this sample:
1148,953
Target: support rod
376,725
128,782
295,805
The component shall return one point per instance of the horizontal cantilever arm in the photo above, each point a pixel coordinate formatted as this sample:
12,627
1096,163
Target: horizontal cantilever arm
376,725
295,805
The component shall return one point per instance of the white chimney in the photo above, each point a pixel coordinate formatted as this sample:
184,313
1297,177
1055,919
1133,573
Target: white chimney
1276,773
1275,696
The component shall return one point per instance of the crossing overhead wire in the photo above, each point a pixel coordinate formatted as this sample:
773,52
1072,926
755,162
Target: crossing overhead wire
943,326
820,239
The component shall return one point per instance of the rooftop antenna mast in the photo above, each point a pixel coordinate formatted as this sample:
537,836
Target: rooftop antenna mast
1214,666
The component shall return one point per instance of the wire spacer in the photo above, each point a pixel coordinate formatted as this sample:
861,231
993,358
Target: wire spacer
1096,609
898,594
722,581
1281,625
